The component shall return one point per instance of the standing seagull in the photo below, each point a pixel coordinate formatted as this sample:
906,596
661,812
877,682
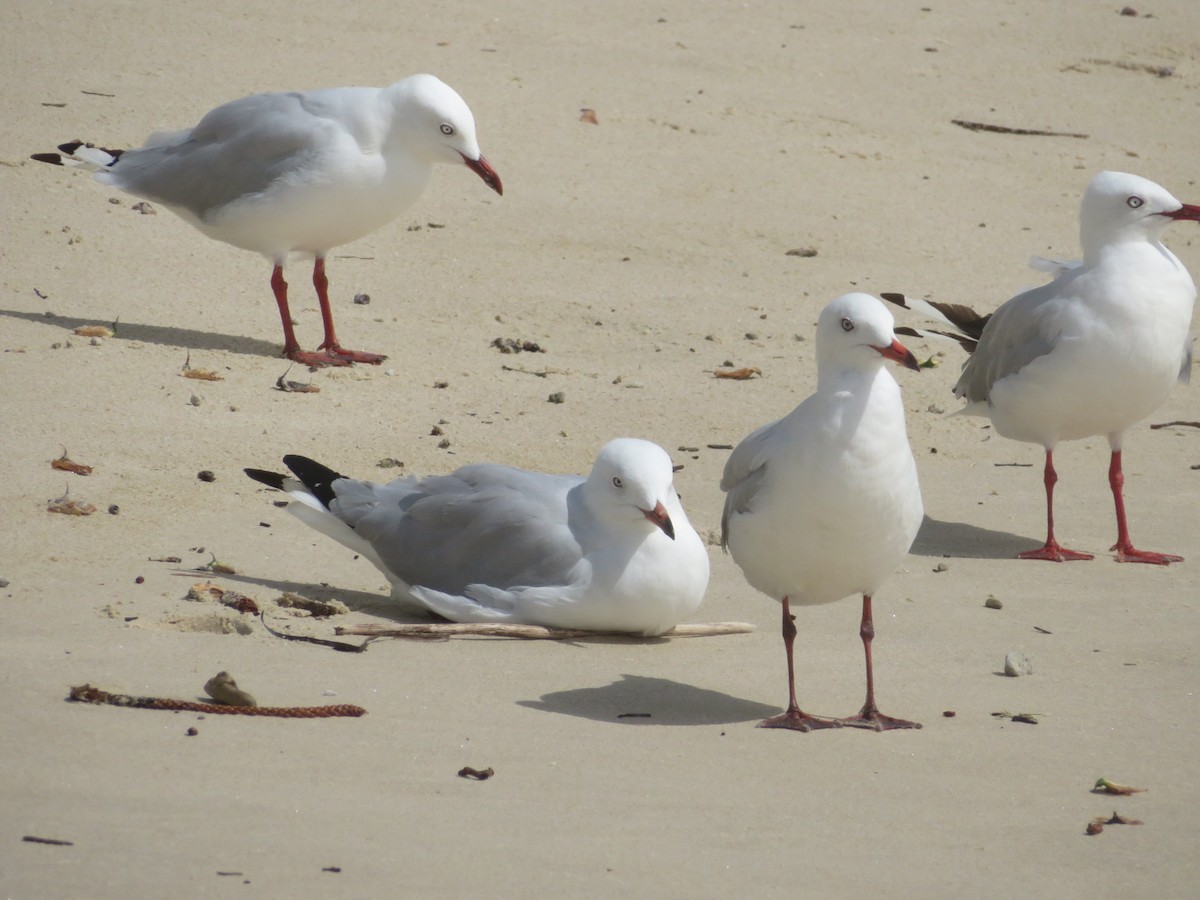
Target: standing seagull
1094,351
299,172
610,552
824,503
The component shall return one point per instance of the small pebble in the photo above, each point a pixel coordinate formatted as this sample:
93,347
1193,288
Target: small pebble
195,400
949,713
1017,663
113,509
139,580
941,567
362,299
557,397
192,732
206,476
993,603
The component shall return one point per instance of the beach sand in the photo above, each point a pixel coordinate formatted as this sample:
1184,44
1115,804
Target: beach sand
640,253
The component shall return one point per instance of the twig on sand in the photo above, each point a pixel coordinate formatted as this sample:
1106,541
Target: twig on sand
1175,422
1004,129
533,632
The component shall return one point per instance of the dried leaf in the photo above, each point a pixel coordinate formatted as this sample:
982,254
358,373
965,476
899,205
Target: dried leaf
204,591
218,568
1099,822
295,387
66,465
201,375
69,507
96,331
737,374
588,115
1104,786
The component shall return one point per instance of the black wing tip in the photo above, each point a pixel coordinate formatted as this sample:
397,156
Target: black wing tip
270,479
315,476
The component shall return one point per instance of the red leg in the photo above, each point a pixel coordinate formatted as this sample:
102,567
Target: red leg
291,347
1125,549
794,718
870,716
1052,551
330,345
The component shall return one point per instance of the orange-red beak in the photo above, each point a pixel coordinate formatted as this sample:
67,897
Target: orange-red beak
897,352
484,170
659,517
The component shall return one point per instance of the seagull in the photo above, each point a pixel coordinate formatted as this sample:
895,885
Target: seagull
298,172
610,552
1092,352
824,503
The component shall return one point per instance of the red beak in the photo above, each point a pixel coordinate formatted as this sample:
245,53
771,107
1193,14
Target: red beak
1187,212
659,517
484,170
897,352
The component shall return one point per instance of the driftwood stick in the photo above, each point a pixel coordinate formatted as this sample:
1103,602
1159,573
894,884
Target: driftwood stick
534,632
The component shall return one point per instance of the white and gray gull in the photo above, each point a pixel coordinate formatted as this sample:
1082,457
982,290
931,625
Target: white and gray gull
298,172
1093,352
824,503
489,543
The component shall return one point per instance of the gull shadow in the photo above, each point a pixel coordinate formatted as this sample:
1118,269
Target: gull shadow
184,338
958,539
636,700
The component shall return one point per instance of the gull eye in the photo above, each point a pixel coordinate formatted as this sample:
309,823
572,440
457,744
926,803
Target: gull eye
447,129
847,325
1134,202
617,482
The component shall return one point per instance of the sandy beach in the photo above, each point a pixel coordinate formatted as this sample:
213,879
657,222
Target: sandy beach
639,252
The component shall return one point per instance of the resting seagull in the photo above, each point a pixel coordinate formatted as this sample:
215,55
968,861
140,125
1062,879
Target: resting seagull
610,552
298,172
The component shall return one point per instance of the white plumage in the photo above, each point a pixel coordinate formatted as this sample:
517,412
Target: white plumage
610,552
1094,351
824,503
298,172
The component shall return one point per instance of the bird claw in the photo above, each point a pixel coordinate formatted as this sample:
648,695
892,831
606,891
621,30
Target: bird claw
317,360
795,720
1133,555
1054,553
877,721
343,357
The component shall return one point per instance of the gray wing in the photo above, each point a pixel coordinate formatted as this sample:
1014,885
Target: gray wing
1019,332
237,149
744,473
484,524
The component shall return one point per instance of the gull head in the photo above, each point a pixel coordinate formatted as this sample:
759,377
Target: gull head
436,123
855,331
632,481
1118,207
